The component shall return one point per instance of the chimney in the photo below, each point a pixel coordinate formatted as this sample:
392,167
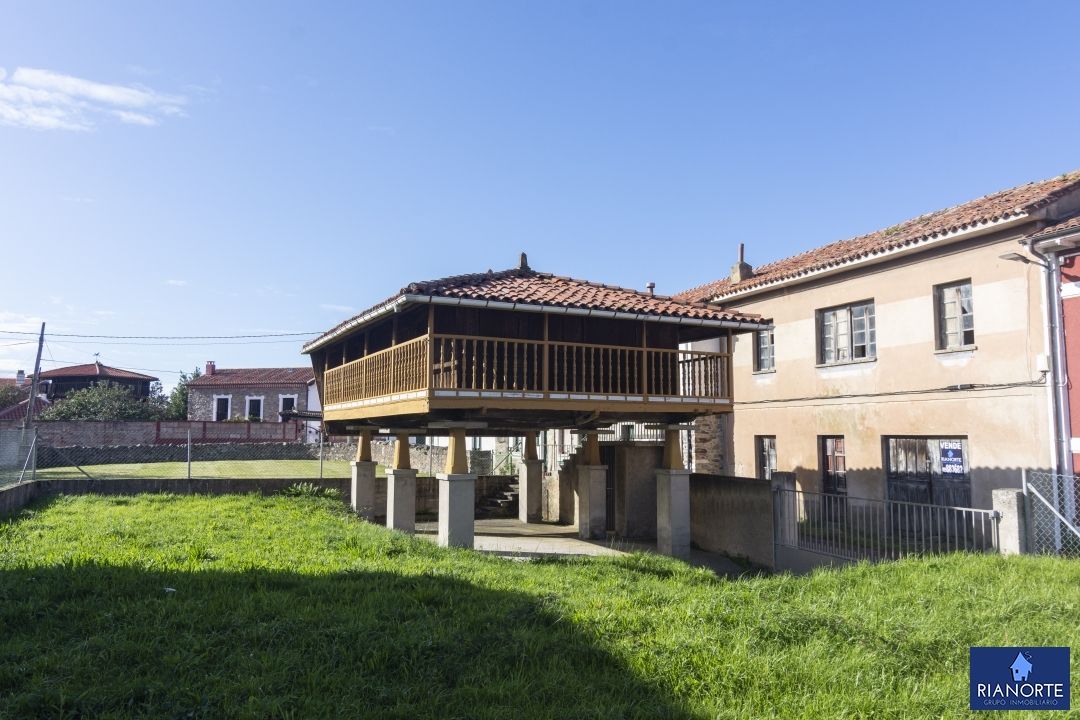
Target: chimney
741,270
20,378
210,367
651,287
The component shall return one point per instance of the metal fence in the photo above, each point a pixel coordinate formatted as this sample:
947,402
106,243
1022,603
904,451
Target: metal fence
862,528
1053,518
192,460
17,454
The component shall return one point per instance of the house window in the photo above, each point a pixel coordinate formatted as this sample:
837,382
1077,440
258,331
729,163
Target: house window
955,315
254,408
286,403
766,455
833,464
222,407
931,470
764,357
847,333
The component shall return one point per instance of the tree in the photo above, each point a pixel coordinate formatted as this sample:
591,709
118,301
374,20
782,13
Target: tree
176,407
102,402
10,395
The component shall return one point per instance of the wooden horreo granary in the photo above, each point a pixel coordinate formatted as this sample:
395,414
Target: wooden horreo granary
518,351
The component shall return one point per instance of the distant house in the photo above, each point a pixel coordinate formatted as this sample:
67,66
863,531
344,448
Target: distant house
63,380
17,410
259,394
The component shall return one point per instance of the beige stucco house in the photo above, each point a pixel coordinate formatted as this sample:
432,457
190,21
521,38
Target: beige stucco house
913,363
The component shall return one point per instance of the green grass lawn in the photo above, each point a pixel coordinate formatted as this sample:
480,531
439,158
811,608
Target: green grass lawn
243,606
301,469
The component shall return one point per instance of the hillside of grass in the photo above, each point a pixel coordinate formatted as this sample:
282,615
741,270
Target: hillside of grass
244,606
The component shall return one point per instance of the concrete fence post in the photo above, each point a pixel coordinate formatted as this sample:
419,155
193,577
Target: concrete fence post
1012,520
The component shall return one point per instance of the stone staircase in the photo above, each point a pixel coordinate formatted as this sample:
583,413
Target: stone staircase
503,504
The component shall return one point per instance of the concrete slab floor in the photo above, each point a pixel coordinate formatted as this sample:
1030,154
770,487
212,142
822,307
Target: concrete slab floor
511,538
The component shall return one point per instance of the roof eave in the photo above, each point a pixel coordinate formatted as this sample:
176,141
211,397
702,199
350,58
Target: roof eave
401,301
1055,243
873,257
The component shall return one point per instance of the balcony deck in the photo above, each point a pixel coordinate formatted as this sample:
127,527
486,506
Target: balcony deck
458,372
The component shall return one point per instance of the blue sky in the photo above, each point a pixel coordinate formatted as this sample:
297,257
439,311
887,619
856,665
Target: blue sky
240,168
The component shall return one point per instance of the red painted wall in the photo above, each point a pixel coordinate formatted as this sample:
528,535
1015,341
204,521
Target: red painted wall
1070,309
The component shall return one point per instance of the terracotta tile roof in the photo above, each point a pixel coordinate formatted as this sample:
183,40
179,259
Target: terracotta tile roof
94,369
18,412
523,285
255,376
1065,226
1002,205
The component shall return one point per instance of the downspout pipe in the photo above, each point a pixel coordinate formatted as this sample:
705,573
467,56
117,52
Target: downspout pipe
1058,368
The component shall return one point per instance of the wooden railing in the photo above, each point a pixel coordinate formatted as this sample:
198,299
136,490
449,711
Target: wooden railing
460,362
399,369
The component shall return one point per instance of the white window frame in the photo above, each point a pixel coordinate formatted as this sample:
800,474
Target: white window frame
952,294
765,449
228,412
281,404
765,361
262,406
838,330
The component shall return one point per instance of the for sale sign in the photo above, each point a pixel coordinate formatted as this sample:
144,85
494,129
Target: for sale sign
952,457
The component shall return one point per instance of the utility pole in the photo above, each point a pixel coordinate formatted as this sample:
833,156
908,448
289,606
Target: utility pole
34,383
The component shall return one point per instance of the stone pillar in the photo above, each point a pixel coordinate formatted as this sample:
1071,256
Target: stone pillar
592,501
1012,525
401,499
457,509
457,496
530,483
401,489
673,500
363,489
673,512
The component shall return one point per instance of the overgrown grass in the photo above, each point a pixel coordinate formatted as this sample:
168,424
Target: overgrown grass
234,469
245,606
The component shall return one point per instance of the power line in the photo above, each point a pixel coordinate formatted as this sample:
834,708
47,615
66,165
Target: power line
168,337
174,344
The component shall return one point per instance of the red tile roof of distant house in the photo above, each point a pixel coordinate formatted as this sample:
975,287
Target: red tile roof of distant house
94,369
254,376
1000,206
18,412
523,286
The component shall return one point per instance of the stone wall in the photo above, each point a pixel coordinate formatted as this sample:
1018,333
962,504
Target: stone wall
733,516
428,459
90,433
48,456
427,493
201,400
712,441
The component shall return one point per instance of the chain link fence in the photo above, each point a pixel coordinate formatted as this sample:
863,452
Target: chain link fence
193,460
17,454
1053,514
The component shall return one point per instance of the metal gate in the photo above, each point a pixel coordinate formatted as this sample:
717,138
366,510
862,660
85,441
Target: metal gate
853,528
1053,518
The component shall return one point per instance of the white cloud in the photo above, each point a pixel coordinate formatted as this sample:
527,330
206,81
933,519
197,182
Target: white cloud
338,308
176,283
46,100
